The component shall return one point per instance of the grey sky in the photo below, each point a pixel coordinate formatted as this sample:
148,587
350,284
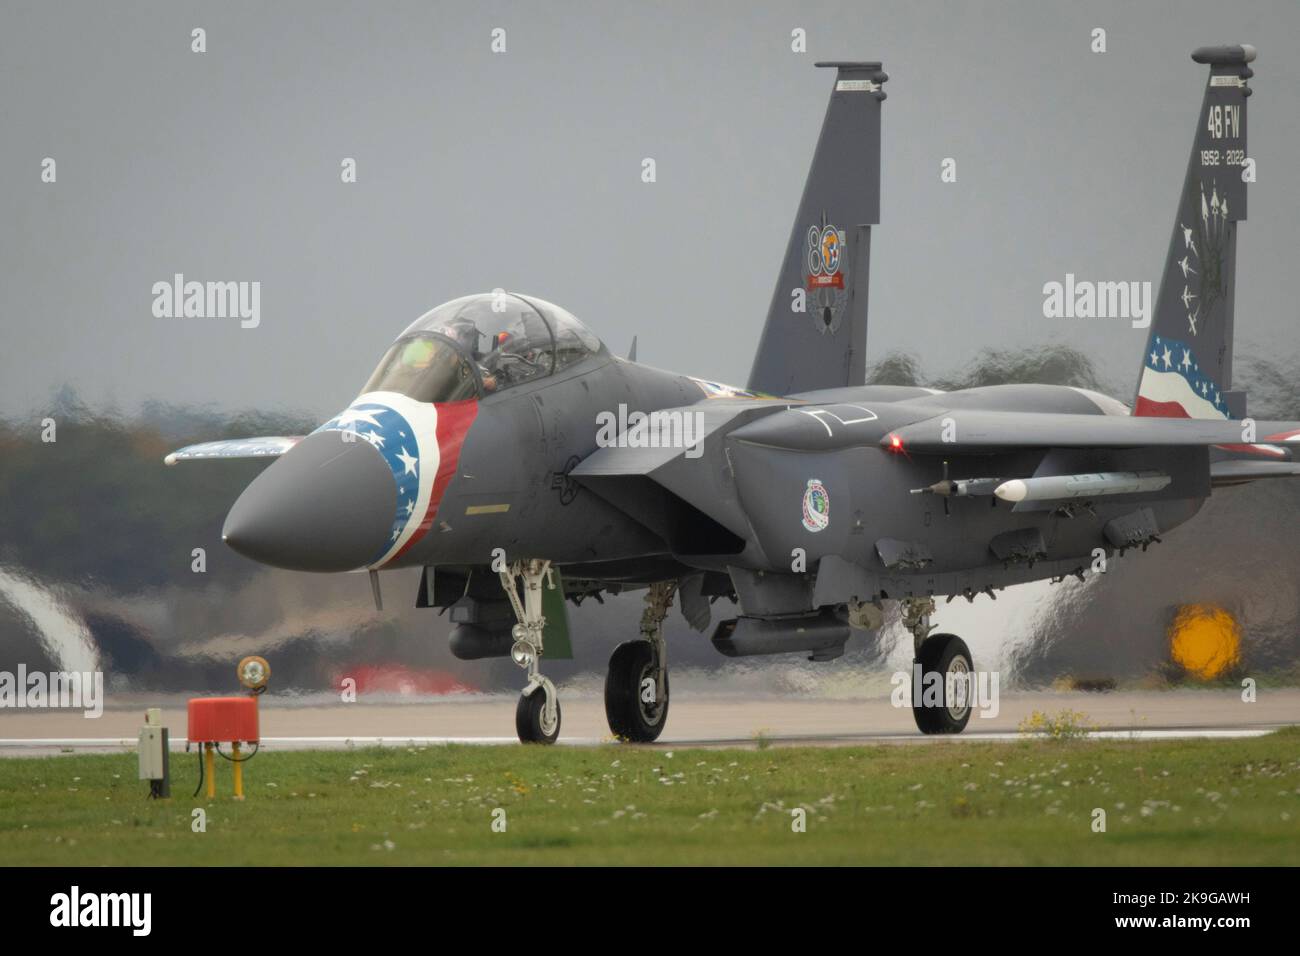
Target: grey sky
522,170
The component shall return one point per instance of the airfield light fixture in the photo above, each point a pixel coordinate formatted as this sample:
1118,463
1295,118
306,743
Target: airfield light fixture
253,673
233,720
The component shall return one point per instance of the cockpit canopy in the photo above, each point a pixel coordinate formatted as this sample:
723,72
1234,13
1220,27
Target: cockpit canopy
482,344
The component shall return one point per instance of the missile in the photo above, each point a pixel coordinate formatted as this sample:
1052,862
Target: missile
1052,487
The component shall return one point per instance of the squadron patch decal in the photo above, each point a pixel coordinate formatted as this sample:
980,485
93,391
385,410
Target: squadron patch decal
825,282
816,506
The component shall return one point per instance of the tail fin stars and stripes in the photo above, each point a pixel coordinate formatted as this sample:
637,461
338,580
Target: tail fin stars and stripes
1187,365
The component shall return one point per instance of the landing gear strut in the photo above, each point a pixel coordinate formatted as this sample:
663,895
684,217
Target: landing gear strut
636,687
946,673
537,717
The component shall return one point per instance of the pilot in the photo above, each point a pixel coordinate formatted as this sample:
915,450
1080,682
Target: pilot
490,369
461,330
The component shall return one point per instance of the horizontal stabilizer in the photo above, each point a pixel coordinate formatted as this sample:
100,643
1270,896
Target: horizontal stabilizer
269,447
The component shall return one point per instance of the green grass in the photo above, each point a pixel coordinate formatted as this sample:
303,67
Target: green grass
1233,802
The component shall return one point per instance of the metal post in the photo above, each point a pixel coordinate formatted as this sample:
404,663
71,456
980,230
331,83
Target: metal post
239,771
210,767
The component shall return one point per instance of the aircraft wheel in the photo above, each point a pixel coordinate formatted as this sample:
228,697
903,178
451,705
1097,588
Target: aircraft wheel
631,717
530,719
947,655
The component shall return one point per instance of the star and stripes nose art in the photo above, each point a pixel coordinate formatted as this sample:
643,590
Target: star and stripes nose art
359,492
420,443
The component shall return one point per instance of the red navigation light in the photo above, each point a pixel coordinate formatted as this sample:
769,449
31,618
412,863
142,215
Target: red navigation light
895,443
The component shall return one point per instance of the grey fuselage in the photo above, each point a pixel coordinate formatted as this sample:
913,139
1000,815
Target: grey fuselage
736,507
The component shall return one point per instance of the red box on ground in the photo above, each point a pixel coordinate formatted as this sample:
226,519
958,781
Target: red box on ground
223,719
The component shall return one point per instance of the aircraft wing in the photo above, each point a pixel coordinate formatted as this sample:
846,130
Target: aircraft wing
268,447
670,435
984,432
635,474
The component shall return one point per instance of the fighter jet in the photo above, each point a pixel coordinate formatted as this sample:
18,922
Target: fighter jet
503,449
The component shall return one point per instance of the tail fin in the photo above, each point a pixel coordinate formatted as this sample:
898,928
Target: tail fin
816,331
1187,366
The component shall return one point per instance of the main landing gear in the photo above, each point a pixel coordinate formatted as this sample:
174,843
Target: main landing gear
537,717
636,687
942,673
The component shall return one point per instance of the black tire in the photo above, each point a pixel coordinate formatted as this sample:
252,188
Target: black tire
629,717
528,719
941,653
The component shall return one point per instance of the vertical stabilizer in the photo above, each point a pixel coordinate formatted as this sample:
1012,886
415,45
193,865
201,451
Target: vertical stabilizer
1187,364
816,331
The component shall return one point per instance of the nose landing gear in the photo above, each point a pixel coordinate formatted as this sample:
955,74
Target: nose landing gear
636,686
537,717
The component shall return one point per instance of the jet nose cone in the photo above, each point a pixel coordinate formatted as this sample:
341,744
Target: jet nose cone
325,505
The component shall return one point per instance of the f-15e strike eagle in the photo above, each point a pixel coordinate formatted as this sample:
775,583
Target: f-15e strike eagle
502,448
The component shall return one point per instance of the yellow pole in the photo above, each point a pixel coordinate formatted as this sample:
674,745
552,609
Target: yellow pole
210,767
239,771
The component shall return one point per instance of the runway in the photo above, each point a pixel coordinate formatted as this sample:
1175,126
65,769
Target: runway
694,721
